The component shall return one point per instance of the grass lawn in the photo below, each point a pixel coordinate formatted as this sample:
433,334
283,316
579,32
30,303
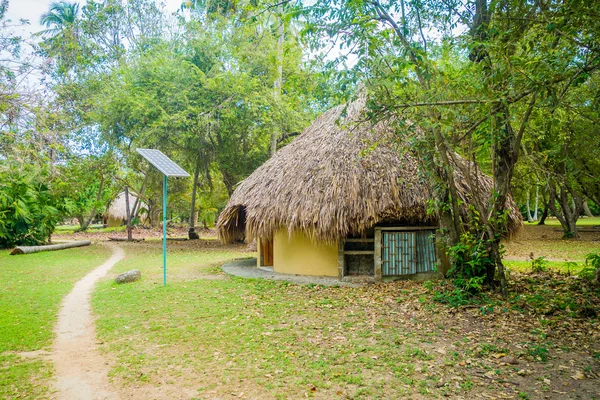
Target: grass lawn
544,241
32,288
582,222
208,336
568,267
70,229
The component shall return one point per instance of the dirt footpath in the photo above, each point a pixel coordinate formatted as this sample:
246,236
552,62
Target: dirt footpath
81,372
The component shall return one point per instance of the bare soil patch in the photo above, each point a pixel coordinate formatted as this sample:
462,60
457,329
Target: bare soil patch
138,233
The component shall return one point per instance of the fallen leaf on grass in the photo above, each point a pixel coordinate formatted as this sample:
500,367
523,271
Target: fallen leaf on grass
490,374
578,376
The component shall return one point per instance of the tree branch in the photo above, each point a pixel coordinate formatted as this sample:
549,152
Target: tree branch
519,136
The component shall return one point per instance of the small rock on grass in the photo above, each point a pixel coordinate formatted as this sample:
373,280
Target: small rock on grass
509,360
129,276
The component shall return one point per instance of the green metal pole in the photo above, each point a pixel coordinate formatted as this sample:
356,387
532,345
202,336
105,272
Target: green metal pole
165,230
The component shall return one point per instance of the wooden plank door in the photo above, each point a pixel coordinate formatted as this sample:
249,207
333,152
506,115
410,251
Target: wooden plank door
266,253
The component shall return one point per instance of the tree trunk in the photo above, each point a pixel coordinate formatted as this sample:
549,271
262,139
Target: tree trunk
154,212
586,209
279,79
137,201
567,215
529,217
505,148
544,215
191,232
537,197
228,181
80,220
51,247
128,213
93,213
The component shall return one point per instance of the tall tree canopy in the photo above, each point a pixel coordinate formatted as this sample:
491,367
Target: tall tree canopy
470,75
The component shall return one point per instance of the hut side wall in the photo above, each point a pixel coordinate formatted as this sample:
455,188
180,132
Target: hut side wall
113,222
299,255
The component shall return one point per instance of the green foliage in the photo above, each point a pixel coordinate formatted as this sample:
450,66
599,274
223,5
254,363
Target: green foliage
539,264
454,298
593,260
207,216
592,266
470,257
29,210
538,352
87,184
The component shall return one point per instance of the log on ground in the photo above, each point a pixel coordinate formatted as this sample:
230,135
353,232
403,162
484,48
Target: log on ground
50,247
118,239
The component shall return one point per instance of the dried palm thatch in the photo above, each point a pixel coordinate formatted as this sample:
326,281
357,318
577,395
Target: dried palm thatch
331,183
117,208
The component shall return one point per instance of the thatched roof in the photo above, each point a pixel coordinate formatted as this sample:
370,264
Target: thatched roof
117,209
331,182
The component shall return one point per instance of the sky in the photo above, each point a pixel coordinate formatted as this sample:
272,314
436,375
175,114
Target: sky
33,9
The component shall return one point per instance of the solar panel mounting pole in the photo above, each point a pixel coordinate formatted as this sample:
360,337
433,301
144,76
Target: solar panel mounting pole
165,230
168,168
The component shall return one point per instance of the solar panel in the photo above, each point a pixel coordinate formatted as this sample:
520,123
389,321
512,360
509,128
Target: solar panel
163,163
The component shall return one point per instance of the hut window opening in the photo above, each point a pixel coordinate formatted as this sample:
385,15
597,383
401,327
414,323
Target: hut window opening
359,256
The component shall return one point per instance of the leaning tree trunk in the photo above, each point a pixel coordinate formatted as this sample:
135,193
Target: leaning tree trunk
87,223
128,213
586,209
529,217
542,220
567,214
138,200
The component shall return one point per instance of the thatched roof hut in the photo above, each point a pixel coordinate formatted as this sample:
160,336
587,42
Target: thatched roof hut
116,212
331,184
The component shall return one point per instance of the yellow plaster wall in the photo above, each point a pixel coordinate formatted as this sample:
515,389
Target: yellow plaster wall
299,255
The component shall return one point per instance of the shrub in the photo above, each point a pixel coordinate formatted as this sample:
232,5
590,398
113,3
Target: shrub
591,270
28,209
539,264
470,259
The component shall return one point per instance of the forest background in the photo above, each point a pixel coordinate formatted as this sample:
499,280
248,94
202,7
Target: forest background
219,86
